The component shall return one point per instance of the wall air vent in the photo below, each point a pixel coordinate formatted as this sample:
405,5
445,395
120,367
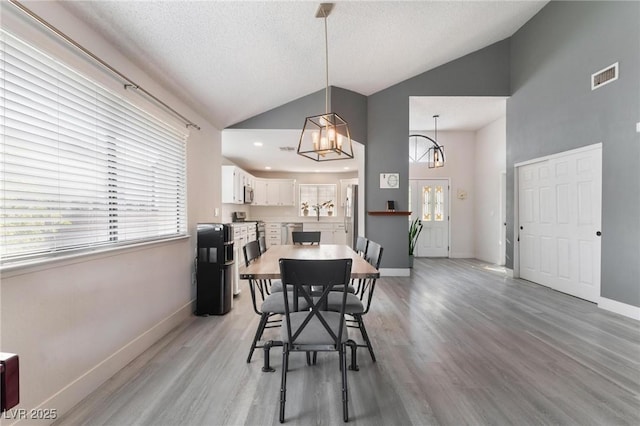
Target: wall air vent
287,148
604,76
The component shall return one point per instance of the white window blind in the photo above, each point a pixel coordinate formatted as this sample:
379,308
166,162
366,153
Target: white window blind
80,167
318,195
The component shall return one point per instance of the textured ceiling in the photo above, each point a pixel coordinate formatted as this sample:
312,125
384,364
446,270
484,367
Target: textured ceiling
231,60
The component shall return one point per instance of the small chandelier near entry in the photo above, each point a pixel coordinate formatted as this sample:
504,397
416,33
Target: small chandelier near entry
325,137
433,156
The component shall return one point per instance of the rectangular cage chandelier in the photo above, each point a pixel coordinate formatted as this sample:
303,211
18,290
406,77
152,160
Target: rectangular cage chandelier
325,137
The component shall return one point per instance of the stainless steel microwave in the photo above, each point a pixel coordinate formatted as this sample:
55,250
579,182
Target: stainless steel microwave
248,195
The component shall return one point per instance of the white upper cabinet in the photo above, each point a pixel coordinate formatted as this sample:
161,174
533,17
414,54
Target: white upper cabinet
274,192
234,179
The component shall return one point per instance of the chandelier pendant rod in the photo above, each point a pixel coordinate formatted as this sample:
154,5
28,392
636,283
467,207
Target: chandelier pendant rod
326,63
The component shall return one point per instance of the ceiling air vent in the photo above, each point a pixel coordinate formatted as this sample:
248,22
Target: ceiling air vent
287,148
604,76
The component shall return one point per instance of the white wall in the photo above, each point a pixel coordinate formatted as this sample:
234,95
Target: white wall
76,322
460,153
490,163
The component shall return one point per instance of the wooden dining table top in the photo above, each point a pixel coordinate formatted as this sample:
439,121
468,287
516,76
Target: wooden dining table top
267,266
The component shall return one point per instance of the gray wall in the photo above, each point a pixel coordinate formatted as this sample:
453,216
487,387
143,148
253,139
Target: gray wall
351,106
552,109
482,73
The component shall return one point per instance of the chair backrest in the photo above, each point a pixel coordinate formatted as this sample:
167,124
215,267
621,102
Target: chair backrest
361,245
251,251
312,281
306,237
374,254
374,257
262,241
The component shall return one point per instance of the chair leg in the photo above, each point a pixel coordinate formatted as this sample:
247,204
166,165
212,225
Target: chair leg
283,383
345,390
308,357
266,368
263,322
365,336
354,356
315,357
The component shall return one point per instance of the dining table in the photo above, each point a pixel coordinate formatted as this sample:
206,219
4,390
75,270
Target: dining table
267,266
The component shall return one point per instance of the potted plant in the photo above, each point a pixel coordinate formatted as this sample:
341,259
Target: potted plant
414,232
305,208
329,206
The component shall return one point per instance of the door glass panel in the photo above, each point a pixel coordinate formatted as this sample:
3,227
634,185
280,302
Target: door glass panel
439,204
427,203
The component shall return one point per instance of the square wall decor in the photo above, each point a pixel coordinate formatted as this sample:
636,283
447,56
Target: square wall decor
389,180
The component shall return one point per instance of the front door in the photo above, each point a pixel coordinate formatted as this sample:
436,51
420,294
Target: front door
430,202
559,216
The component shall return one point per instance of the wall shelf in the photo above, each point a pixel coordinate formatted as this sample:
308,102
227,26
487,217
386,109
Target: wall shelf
388,213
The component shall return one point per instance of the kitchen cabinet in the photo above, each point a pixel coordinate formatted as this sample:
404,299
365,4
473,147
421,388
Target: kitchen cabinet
242,234
330,233
273,233
234,179
274,192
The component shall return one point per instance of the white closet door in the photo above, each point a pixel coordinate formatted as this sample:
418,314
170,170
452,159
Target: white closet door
560,205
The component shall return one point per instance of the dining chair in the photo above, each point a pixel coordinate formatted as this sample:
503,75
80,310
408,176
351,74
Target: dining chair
268,306
262,241
361,249
269,286
361,245
313,328
306,237
359,304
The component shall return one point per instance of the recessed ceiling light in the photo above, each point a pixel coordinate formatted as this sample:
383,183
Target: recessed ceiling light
346,168
267,167
257,144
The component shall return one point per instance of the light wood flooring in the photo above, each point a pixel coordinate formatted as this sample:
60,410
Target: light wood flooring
458,343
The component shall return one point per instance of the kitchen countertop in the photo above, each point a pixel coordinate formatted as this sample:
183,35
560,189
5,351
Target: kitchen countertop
300,219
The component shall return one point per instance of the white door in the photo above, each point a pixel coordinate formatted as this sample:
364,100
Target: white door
431,202
559,217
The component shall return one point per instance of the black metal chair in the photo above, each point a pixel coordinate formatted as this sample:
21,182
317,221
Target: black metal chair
306,237
361,249
313,328
358,304
361,245
262,241
264,304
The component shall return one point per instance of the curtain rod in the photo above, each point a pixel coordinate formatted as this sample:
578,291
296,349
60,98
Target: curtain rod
129,83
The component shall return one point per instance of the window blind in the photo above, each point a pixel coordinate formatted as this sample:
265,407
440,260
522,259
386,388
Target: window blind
316,195
80,167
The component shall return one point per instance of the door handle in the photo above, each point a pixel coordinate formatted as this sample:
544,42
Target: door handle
598,233
522,227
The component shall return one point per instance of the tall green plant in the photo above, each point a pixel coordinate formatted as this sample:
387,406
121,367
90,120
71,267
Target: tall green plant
414,233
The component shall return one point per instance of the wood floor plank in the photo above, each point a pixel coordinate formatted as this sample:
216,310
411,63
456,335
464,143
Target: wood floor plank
458,343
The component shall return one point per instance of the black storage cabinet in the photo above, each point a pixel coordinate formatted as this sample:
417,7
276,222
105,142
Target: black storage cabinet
214,263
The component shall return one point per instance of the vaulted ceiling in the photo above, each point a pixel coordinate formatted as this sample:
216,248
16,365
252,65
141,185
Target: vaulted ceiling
231,60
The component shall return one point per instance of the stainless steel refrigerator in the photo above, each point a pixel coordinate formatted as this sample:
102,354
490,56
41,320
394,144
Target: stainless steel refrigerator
351,215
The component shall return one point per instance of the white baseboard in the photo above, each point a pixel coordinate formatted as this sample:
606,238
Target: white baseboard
395,272
619,308
76,391
509,272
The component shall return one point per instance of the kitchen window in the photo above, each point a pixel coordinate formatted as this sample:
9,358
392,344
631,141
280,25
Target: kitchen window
317,200
81,168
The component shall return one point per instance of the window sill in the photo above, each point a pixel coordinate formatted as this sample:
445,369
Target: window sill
35,265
